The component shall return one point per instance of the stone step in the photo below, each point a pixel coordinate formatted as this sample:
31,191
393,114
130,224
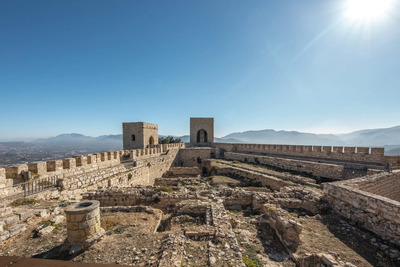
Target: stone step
11,219
42,213
6,211
4,235
24,215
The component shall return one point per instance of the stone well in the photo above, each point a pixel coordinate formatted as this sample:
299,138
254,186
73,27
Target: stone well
83,223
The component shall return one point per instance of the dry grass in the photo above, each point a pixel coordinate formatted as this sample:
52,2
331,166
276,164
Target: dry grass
110,222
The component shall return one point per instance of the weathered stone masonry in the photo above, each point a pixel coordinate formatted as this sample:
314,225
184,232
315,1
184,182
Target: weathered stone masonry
374,212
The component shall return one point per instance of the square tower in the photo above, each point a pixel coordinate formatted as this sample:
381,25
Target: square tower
139,135
202,131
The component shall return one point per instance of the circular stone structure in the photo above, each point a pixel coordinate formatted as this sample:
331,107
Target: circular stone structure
83,223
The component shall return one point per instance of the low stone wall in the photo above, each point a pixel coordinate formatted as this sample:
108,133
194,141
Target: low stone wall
286,227
325,170
133,196
375,213
182,172
255,177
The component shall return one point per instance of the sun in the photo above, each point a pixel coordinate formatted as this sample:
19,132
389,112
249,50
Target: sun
367,10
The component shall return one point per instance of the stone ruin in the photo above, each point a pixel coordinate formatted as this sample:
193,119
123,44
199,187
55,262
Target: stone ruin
205,204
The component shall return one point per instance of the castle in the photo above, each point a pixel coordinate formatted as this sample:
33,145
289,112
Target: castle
360,184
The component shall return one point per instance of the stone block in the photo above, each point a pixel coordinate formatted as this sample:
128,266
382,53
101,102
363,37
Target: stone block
16,229
349,150
45,231
69,163
54,165
76,217
6,211
16,171
88,223
362,150
38,167
24,215
41,213
58,219
10,219
2,174
77,234
4,235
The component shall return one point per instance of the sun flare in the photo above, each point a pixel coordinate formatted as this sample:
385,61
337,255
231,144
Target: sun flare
367,10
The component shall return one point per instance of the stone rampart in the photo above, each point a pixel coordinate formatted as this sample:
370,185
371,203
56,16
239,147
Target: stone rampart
101,169
325,170
373,155
377,213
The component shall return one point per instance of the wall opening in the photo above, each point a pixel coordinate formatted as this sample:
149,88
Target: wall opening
202,136
151,140
133,137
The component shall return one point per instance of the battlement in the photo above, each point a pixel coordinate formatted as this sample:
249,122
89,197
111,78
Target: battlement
374,155
83,162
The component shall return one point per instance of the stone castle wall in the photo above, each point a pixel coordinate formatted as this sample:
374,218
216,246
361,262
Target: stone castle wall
325,170
194,156
374,212
374,155
95,169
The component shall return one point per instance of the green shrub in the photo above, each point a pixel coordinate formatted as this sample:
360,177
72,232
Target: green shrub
236,162
130,176
24,201
250,261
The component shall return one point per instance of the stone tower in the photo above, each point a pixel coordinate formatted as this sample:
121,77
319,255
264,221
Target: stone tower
202,131
139,135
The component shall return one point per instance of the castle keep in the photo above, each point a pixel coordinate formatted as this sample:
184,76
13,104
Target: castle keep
223,204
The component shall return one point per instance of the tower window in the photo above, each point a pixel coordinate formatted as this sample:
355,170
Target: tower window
133,137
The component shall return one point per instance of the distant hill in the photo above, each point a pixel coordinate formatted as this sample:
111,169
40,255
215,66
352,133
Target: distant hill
371,137
67,145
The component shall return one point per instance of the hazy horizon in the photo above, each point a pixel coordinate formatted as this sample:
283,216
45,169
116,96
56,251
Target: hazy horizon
164,134
87,66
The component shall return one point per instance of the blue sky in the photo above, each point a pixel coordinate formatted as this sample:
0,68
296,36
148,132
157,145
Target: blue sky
87,66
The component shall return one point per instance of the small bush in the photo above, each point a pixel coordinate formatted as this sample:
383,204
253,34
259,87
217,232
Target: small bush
130,176
57,228
108,223
24,201
250,261
234,211
236,162
164,188
46,223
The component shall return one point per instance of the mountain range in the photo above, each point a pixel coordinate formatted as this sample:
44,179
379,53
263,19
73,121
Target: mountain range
386,137
66,145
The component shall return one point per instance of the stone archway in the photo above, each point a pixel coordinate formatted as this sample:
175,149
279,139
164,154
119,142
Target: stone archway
202,136
151,140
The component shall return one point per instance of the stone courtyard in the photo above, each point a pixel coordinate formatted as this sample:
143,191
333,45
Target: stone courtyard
205,204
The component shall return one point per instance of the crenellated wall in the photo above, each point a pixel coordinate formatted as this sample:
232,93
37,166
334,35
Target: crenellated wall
314,168
66,165
373,155
90,169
